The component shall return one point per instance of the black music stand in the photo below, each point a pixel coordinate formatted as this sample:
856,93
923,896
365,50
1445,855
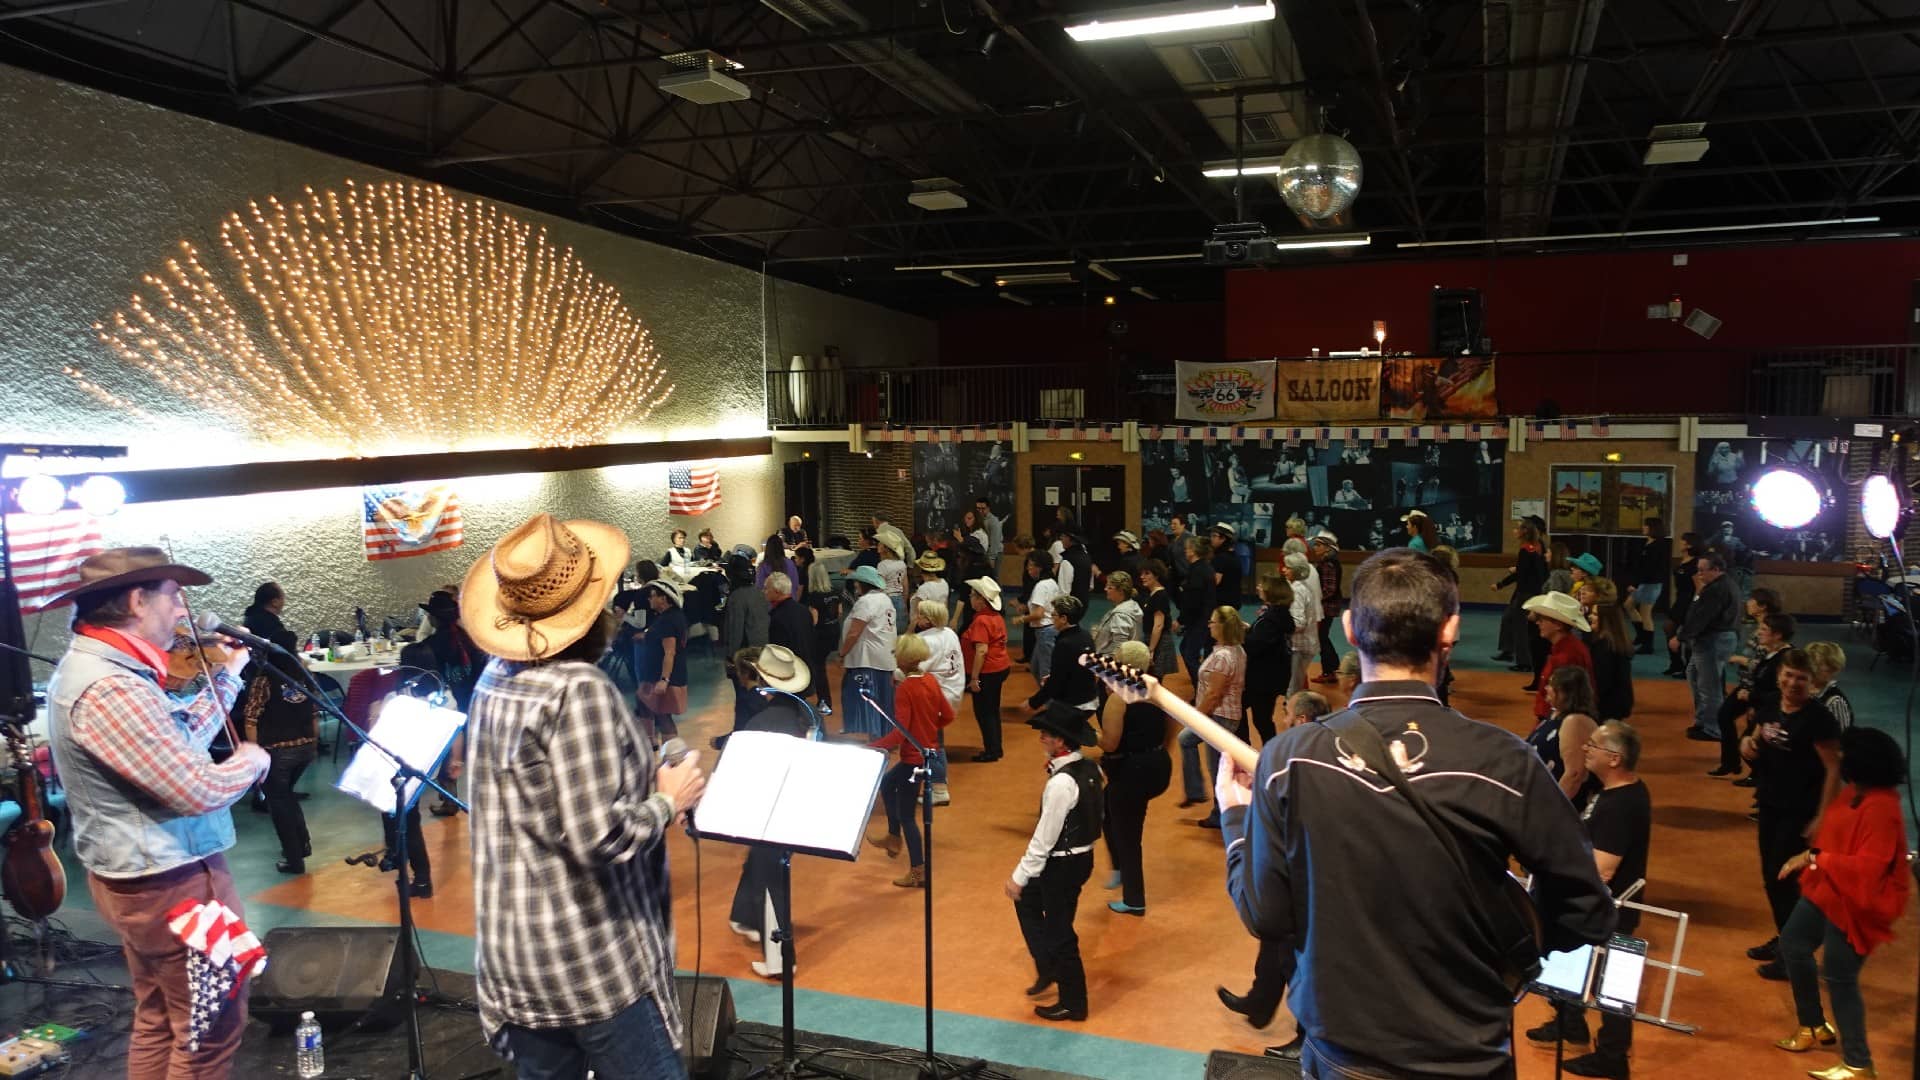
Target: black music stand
791,795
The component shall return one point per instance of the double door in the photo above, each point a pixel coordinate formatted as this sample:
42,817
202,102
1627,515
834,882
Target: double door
1095,496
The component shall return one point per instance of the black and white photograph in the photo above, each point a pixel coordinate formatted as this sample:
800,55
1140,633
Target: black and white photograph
947,477
1723,512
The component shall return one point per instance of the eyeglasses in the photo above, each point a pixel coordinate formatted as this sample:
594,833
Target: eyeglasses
1602,749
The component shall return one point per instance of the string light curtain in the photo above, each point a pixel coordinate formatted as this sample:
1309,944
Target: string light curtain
395,316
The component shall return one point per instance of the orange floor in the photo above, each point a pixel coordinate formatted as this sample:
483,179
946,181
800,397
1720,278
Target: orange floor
1152,980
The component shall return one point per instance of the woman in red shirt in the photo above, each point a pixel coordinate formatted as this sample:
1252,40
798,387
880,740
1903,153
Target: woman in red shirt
1557,615
922,709
1853,886
984,649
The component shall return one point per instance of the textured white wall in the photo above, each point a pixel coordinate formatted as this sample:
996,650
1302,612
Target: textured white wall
96,191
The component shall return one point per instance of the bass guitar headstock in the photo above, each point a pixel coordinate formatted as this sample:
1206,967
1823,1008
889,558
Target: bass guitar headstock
1130,684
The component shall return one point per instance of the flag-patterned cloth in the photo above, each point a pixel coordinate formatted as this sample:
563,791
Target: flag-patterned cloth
692,489
47,552
402,520
221,955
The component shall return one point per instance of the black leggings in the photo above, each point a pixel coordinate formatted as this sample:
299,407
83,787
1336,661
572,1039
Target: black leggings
986,710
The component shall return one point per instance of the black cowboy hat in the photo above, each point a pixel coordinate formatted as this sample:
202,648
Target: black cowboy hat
1067,722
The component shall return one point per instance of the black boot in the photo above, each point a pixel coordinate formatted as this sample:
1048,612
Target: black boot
1643,642
1676,667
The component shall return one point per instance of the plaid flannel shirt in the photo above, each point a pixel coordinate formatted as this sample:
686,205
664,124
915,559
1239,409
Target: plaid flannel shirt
130,726
572,905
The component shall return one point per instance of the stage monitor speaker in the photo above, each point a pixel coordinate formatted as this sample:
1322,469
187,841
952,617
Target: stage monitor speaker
1226,1065
342,974
706,1005
1459,322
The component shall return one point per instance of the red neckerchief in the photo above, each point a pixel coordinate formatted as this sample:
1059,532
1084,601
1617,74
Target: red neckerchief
144,651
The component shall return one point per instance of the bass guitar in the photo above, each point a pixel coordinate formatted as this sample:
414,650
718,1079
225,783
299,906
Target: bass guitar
1512,922
31,879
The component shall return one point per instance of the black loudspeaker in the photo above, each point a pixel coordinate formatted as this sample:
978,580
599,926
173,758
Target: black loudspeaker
1226,1065
707,1007
341,974
1459,322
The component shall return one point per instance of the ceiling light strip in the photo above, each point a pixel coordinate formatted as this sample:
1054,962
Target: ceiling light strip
988,265
1638,232
1171,19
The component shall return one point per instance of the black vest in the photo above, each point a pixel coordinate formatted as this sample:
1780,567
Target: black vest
1082,824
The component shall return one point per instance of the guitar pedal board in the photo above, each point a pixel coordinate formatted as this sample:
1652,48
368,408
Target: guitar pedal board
29,1056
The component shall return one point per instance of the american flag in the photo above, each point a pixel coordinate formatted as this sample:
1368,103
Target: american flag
400,520
47,552
692,489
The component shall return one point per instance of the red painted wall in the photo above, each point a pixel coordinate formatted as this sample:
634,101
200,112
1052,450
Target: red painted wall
1156,335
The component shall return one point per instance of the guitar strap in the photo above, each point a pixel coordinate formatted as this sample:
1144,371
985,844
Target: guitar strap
1492,910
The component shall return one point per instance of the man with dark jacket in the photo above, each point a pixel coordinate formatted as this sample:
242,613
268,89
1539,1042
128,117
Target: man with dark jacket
1709,639
1330,857
1069,683
789,623
1073,553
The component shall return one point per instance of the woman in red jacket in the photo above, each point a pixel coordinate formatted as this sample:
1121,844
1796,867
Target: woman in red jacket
923,710
1853,885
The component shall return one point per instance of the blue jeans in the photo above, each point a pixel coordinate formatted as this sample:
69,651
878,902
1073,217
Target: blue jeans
856,715
634,1045
1705,665
1042,660
1807,929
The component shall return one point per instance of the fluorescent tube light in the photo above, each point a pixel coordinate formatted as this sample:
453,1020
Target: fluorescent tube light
1021,300
990,265
954,275
1302,243
1170,19
1252,168
1141,292
1638,232
1103,271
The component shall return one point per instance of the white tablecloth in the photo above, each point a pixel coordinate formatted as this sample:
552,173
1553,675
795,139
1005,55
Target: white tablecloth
338,668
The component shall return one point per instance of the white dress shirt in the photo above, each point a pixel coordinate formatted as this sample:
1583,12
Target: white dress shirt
1059,796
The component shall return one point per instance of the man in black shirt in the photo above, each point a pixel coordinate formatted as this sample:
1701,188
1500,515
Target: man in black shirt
1619,821
1074,554
1795,753
1331,857
1226,564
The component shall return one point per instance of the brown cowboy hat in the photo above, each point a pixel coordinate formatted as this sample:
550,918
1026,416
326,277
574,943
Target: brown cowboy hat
123,568
541,587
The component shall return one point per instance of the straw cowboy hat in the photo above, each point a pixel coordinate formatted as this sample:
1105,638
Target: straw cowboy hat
1328,539
123,568
542,587
1411,514
1559,607
930,562
1067,722
988,588
894,539
782,670
1127,538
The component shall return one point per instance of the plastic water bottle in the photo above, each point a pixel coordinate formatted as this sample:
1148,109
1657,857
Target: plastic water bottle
310,1059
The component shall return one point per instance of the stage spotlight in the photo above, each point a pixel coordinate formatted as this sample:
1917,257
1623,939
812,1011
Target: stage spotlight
40,494
1882,506
101,496
1786,498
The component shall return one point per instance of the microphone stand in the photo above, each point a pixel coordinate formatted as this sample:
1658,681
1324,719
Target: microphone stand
932,1068
402,773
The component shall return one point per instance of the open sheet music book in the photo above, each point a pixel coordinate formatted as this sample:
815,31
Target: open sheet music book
420,733
810,797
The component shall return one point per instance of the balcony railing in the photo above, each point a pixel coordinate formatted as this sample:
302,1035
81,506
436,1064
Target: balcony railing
1848,380
961,396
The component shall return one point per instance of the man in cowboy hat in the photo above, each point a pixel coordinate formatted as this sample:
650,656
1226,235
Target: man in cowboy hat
1045,887
570,817
150,809
1324,551
1226,564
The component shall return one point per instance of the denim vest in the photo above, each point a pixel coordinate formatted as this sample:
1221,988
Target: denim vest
119,831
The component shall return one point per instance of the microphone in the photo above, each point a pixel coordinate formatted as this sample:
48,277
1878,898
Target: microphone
209,623
673,752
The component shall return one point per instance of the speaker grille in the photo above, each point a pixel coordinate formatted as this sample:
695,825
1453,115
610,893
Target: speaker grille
341,973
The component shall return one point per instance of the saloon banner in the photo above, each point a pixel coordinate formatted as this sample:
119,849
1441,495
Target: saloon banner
1329,389
1225,393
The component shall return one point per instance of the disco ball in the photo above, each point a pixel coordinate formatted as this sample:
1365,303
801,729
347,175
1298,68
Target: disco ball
1319,176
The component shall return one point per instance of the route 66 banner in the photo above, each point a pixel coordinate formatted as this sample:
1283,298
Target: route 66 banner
399,520
1225,393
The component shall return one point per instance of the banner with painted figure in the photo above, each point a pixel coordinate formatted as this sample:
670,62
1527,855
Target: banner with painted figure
1225,393
1439,388
1328,390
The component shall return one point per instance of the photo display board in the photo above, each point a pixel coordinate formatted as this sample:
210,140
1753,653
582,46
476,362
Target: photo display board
947,476
1612,500
1358,489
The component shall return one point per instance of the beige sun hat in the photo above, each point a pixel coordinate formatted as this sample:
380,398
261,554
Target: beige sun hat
542,586
1559,607
988,588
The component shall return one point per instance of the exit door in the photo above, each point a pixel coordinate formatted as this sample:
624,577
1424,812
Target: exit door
1096,497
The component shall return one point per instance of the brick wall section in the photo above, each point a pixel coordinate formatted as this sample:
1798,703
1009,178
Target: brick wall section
856,486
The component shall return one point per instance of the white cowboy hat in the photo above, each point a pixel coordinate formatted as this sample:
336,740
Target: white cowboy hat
782,670
1559,607
988,588
542,586
1127,538
1411,514
1328,539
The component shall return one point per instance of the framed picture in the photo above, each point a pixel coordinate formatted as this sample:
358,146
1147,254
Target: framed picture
1611,500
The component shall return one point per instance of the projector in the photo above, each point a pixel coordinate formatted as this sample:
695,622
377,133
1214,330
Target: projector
1244,243
697,78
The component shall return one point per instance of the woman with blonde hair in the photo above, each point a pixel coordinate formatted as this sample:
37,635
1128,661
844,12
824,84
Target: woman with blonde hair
1307,614
922,710
1122,622
1133,754
1829,660
1223,678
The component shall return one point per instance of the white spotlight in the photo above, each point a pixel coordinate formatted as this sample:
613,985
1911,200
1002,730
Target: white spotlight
1786,498
40,494
1881,506
101,496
